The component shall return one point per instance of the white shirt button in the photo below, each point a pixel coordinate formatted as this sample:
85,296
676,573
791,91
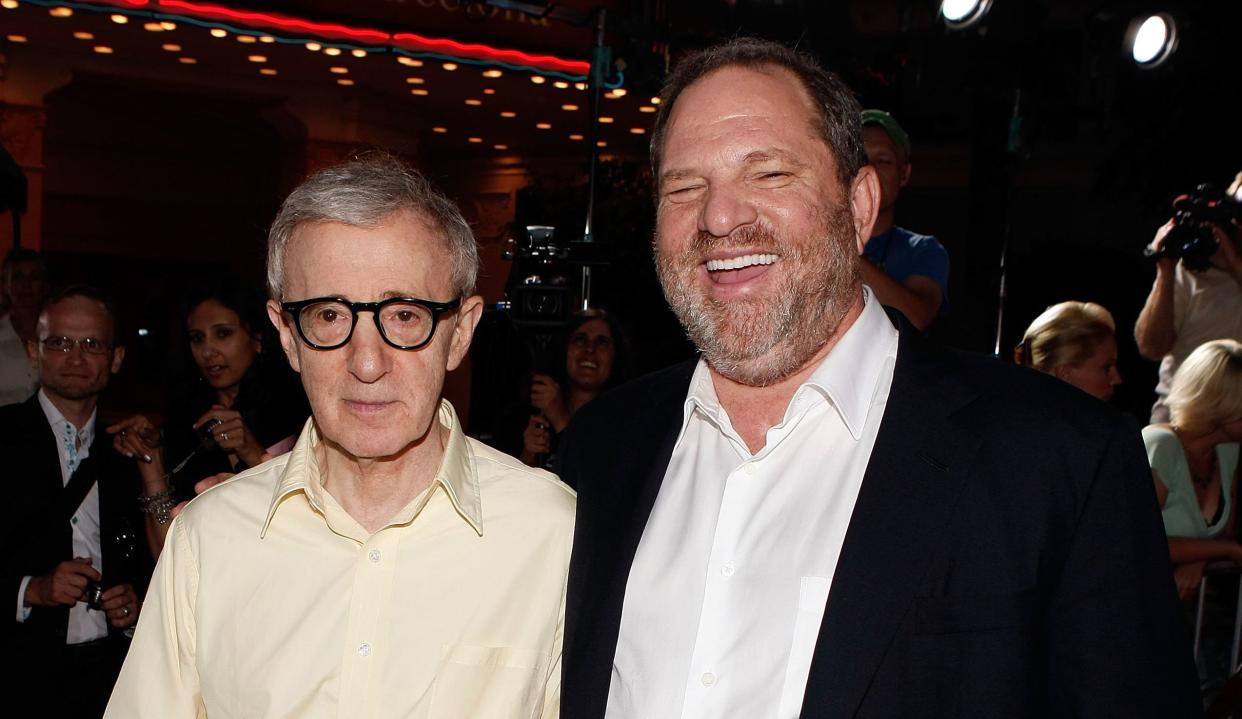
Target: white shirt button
708,679
364,650
749,468
374,555
728,569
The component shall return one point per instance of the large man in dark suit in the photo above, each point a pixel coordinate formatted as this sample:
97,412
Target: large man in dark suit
69,519
826,516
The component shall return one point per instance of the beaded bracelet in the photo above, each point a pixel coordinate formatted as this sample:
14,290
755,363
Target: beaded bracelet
158,505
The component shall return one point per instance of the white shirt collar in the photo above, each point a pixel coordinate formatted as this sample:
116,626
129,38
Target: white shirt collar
847,377
86,435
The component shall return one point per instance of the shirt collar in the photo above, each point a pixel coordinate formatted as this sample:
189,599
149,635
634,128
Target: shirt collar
848,377
57,420
457,476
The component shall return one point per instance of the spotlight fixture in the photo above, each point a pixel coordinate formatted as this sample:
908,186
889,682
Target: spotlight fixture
1151,39
961,14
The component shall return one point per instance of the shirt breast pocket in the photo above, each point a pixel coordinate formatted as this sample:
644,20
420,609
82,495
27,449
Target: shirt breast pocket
488,682
812,598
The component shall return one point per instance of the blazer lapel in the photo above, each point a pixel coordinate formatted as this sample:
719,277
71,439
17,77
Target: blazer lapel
912,481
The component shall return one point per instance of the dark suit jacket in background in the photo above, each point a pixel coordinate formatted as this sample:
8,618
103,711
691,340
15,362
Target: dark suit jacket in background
35,537
1005,557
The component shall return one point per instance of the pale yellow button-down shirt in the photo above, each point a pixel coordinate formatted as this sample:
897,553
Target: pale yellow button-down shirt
269,600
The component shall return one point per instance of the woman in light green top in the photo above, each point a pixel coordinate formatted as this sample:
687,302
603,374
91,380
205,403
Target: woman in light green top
1194,461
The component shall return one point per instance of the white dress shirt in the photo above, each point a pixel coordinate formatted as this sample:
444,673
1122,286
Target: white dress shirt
727,591
73,447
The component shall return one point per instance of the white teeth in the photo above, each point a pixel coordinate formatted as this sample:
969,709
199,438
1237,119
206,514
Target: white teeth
737,263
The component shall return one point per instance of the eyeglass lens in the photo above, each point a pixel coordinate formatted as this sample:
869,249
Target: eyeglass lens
329,323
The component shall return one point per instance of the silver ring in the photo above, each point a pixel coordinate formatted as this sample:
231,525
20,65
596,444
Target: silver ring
124,611
224,436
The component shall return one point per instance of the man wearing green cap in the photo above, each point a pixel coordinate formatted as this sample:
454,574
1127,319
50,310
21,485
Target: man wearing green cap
906,270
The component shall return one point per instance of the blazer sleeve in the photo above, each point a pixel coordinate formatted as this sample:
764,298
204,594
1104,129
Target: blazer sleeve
1114,623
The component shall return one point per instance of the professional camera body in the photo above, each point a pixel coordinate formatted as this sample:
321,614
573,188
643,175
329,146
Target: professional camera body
1191,240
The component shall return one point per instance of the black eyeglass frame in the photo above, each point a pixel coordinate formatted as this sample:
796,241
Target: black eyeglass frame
436,308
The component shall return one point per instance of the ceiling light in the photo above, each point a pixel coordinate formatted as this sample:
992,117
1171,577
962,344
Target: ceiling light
419,91
655,101
409,61
219,32
153,27
187,61
1151,39
500,147
570,108
647,108
538,79
474,139
619,92
543,125
168,25
606,120
637,131
338,70
314,46
344,81
16,38
961,14
580,86
103,49
267,71
508,113
170,47
440,130
8,4
492,73
414,81
247,39
450,66
473,102
267,38
358,52
257,58
83,36
575,136
489,91
61,12
561,85
601,143
120,19
332,51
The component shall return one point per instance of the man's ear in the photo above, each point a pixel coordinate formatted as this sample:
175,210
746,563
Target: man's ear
463,330
906,170
118,356
865,201
288,342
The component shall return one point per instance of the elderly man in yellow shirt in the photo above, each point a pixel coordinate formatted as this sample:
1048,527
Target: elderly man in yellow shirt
389,566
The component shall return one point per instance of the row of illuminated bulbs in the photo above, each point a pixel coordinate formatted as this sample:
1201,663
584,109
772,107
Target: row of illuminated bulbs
163,26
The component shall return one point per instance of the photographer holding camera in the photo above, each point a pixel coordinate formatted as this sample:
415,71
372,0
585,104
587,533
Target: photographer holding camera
1197,295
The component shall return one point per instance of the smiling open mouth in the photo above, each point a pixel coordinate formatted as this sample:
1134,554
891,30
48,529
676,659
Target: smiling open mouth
738,263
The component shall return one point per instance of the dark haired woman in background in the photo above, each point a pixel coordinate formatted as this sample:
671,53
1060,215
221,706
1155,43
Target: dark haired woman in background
239,406
594,362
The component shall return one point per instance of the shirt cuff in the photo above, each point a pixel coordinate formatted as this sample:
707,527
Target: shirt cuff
23,611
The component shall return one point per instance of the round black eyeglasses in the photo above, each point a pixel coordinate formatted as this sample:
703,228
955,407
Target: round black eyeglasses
407,323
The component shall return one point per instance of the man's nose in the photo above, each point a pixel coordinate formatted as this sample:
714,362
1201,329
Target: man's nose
726,208
369,359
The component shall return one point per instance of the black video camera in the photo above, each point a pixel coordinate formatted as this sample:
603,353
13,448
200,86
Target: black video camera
1190,240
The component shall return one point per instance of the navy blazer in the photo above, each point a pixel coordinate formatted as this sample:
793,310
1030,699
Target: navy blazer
1005,557
35,537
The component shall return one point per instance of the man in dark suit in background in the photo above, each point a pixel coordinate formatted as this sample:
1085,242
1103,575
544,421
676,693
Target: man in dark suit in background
826,516
69,525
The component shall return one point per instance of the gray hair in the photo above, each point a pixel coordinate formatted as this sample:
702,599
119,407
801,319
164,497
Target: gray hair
363,192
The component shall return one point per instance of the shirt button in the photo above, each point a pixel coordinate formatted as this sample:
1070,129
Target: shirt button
374,555
728,569
749,469
73,520
708,679
364,650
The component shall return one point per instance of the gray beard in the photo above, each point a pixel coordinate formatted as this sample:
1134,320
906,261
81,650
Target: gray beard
760,341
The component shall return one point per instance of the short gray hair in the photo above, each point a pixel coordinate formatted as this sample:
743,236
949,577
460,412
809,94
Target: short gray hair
363,192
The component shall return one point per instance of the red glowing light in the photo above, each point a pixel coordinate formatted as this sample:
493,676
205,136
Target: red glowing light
270,20
485,52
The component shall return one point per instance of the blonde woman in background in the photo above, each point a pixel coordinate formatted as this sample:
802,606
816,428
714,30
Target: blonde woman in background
1194,461
1076,342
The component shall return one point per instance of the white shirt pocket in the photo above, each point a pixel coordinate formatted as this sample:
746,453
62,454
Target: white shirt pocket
812,598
